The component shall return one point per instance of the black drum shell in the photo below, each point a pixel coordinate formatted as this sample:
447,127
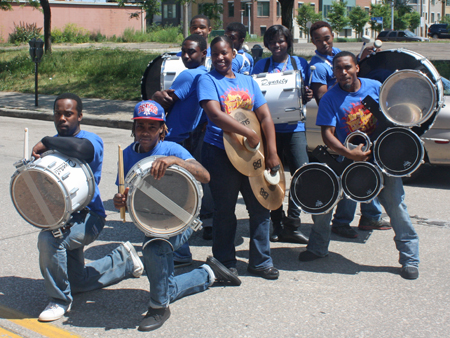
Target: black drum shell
362,181
151,80
315,188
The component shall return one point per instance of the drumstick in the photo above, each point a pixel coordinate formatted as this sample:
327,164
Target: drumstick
312,68
365,39
25,145
121,183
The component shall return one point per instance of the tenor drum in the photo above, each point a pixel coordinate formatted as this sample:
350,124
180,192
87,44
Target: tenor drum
45,192
362,181
283,93
412,92
315,188
163,208
398,152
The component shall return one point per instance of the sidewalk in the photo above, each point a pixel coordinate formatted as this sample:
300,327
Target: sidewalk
96,112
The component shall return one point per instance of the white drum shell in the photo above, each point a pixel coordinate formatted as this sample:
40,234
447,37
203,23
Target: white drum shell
47,191
172,66
283,93
164,217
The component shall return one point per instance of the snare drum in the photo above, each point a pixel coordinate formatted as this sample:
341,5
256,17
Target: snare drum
315,188
47,191
163,208
283,93
161,72
362,181
398,152
412,92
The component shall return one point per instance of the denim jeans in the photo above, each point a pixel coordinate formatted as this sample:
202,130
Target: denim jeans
165,287
392,199
61,260
346,208
225,184
292,147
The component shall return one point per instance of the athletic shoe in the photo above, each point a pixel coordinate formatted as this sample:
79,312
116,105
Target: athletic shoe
154,319
409,272
138,267
222,274
370,224
53,311
344,231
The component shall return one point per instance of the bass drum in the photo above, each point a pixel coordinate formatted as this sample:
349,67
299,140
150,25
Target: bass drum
45,192
163,208
362,181
398,152
283,93
151,80
412,92
315,188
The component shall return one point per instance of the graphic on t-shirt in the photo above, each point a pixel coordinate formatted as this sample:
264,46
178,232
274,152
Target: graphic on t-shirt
359,118
236,98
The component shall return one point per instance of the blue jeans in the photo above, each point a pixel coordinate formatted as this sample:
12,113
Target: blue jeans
346,208
61,260
392,199
225,184
293,148
165,287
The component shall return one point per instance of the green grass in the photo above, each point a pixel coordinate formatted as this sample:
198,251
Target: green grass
100,73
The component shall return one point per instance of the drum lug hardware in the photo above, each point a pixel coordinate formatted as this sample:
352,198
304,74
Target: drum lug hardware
288,89
65,176
73,191
196,224
290,109
57,233
51,165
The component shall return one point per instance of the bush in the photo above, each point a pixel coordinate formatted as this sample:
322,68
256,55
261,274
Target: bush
71,33
24,32
154,34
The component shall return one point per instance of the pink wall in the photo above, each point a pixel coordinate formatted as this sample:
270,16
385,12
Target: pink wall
106,18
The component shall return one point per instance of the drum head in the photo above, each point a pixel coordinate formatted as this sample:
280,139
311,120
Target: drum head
151,80
39,198
164,208
407,98
315,188
398,152
361,181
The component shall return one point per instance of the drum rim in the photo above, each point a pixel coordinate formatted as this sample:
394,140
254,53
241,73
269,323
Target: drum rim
374,168
418,142
173,168
433,107
337,195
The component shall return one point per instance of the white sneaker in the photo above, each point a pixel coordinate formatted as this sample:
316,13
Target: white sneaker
54,311
137,263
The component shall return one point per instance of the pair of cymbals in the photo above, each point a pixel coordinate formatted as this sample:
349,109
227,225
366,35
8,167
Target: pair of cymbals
269,188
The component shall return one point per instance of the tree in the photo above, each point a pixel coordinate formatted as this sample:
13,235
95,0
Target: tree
337,16
445,19
380,10
307,14
213,11
287,10
414,20
151,8
358,19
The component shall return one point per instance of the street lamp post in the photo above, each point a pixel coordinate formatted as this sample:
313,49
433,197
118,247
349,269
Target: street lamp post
36,52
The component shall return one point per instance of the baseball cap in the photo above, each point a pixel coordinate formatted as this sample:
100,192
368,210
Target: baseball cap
149,109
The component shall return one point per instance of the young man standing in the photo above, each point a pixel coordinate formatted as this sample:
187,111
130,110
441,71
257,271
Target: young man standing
243,62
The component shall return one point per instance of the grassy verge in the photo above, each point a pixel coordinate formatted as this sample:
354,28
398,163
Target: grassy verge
99,73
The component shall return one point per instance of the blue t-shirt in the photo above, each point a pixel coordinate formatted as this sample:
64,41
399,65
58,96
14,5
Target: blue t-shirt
186,112
274,67
243,63
239,92
324,68
345,111
208,52
165,148
96,204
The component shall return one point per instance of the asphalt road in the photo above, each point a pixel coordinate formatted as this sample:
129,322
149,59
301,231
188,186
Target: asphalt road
355,292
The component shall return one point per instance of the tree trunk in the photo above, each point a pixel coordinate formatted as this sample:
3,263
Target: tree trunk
47,25
287,7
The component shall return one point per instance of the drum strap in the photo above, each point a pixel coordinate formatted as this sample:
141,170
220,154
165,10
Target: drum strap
267,65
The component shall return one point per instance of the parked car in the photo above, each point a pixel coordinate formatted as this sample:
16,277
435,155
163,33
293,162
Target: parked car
399,36
439,31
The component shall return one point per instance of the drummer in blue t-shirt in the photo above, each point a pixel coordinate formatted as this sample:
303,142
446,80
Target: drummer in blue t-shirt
291,138
149,131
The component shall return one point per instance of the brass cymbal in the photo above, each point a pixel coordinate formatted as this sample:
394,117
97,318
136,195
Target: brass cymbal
270,196
247,162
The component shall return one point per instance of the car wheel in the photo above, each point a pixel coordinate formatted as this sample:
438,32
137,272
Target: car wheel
435,36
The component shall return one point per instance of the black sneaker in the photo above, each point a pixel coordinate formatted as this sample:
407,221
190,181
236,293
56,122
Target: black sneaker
409,272
267,273
223,275
344,231
370,224
154,319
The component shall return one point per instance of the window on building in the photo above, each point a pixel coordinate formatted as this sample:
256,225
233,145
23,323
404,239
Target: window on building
279,9
432,17
245,8
169,11
263,8
300,4
367,9
263,30
413,1
439,17
230,9
433,2
313,5
326,9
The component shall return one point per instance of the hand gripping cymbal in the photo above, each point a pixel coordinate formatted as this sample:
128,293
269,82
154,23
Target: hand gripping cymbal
248,161
270,187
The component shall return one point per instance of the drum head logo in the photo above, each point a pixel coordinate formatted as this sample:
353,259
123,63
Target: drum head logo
148,109
358,117
236,98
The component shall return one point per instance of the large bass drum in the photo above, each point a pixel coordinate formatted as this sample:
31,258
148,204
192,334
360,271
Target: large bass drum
163,208
283,93
315,188
412,92
45,192
362,181
398,152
